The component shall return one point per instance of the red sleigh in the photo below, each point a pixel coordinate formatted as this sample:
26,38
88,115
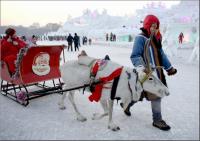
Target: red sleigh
40,64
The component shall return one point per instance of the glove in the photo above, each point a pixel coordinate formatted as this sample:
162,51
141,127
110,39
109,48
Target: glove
171,71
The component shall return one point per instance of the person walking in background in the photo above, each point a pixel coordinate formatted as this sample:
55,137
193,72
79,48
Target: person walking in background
139,58
85,40
180,38
111,36
76,41
114,37
70,41
107,37
90,41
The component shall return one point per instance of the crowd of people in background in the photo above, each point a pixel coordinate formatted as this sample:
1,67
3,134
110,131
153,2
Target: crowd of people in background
73,41
85,40
111,38
77,41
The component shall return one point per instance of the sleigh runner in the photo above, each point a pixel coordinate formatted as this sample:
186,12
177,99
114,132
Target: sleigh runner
40,64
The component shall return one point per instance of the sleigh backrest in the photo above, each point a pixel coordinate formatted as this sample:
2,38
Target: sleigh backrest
41,63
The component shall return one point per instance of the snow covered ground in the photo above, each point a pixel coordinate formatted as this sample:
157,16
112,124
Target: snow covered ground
42,119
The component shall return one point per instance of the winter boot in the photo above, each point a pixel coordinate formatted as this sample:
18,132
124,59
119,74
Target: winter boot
161,124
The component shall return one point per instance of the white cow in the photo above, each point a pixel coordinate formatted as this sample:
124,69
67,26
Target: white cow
77,73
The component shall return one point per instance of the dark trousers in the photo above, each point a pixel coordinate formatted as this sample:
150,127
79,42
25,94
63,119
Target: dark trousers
70,46
76,46
155,107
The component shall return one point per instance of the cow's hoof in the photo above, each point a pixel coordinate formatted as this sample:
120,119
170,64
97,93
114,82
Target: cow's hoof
113,127
116,129
62,108
81,118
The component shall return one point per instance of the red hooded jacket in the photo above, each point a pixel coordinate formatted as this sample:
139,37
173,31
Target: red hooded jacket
9,51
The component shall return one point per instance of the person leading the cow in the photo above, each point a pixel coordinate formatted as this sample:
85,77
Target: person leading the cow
156,57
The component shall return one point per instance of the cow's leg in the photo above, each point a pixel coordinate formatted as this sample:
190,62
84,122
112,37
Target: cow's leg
80,117
104,104
111,124
61,102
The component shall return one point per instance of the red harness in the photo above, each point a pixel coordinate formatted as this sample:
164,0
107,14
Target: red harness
96,94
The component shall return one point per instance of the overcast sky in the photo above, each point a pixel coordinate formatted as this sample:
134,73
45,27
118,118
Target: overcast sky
27,12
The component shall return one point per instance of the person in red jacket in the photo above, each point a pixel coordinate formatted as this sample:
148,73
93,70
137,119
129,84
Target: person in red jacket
180,37
10,47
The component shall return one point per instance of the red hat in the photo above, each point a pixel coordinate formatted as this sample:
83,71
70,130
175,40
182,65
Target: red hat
149,20
10,32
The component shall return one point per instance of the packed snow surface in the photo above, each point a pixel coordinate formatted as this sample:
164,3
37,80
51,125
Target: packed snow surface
42,119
